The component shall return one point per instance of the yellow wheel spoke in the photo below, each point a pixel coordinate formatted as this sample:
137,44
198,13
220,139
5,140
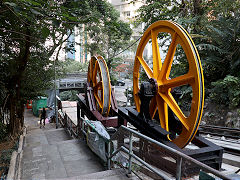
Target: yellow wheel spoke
162,112
157,63
146,68
178,81
98,78
169,99
99,101
95,73
165,71
98,85
91,69
153,107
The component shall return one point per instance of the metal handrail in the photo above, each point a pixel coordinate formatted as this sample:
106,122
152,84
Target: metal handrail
124,149
61,118
179,154
69,125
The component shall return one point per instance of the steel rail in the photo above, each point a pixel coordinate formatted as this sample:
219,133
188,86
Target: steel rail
233,133
221,128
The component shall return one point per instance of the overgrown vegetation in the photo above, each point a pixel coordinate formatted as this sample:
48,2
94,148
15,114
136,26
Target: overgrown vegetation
215,29
69,95
6,150
3,131
27,62
226,91
71,66
109,37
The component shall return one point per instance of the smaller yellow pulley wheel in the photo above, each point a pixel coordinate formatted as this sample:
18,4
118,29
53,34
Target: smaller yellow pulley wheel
163,100
98,78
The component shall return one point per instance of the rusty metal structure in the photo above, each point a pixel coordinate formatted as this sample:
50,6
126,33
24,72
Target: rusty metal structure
99,103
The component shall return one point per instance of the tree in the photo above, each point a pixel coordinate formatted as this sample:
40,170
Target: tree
110,36
70,66
214,27
26,25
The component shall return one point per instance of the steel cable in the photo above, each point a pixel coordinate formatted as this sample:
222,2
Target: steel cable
126,48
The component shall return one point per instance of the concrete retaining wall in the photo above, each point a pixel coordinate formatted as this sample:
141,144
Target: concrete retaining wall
14,171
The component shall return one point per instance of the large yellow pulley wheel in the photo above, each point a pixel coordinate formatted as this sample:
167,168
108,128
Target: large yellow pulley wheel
99,80
163,100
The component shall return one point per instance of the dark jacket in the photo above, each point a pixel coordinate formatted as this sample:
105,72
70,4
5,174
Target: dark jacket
43,114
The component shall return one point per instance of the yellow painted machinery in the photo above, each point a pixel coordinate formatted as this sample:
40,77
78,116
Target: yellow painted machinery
99,102
157,112
159,74
99,79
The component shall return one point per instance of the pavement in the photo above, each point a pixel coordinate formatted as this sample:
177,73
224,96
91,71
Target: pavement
120,92
50,153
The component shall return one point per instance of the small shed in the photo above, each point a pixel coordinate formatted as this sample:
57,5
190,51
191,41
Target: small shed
38,104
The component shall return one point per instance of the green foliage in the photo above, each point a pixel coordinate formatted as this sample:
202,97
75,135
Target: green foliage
6,156
215,28
113,79
69,95
25,27
226,91
221,50
3,131
110,36
70,66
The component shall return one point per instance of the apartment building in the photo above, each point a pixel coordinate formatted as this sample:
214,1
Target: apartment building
128,12
77,41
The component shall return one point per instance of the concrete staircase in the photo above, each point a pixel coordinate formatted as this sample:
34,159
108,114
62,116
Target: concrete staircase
49,153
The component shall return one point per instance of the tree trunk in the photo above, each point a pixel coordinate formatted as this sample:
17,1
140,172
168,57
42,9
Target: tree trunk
22,116
198,12
12,123
197,7
16,110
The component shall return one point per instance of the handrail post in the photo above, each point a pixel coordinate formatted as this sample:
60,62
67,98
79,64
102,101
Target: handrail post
179,168
109,155
130,154
82,128
71,129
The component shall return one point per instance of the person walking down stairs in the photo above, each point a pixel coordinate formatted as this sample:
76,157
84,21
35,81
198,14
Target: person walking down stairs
43,117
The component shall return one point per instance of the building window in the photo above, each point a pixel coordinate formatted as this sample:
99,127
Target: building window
126,13
71,47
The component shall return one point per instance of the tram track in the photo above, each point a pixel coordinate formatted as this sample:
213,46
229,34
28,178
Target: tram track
221,131
228,138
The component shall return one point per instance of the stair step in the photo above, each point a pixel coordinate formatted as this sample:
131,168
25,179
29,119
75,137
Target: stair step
116,174
38,137
61,160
